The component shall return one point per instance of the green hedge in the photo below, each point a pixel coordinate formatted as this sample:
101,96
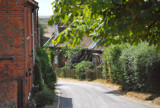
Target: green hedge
81,69
44,97
134,67
141,67
38,79
44,73
67,72
112,69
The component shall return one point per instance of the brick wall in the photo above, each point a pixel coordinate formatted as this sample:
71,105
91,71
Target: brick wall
16,43
8,94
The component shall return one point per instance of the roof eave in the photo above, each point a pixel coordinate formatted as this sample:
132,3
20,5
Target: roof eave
33,3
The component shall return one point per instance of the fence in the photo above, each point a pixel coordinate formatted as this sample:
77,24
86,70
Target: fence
70,73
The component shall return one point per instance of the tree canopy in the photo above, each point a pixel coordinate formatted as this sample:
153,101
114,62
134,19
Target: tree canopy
113,21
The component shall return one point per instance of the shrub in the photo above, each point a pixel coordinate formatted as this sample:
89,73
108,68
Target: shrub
141,67
44,97
66,71
112,69
38,80
82,67
134,67
73,51
90,74
45,68
64,68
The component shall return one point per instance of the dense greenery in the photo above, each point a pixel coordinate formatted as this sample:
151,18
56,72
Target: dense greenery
73,51
112,69
115,21
44,73
64,68
61,51
44,97
81,69
141,68
38,79
134,67
67,51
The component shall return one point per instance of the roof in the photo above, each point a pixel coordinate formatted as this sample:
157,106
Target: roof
86,43
33,2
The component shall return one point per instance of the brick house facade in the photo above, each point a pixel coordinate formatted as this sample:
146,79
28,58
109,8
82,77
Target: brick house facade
18,41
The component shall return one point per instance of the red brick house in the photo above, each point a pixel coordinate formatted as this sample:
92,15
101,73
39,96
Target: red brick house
18,41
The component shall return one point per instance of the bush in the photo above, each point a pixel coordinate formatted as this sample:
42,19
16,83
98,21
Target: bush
112,69
73,51
141,68
45,69
134,67
65,72
44,97
64,68
82,67
38,80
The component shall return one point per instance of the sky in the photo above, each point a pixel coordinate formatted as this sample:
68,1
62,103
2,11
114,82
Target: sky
45,8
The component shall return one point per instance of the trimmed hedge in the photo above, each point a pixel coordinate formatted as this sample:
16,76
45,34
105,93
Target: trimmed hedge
134,67
112,69
141,68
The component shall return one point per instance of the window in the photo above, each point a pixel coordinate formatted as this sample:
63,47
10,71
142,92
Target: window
56,59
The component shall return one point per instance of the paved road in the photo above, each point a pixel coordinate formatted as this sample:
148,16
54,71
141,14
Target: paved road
85,95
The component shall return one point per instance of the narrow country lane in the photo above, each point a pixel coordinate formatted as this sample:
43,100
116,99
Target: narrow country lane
84,95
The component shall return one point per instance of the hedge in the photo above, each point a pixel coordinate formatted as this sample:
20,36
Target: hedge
81,69
44,72
44,97
134,67
112,69
141,68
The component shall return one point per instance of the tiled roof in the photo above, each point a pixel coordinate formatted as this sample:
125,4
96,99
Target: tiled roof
86,43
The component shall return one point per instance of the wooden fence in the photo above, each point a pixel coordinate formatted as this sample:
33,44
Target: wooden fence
70,73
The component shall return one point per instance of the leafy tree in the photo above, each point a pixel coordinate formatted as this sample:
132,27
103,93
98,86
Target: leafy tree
115,21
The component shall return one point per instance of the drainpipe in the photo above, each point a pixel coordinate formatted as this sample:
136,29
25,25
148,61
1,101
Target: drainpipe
33,37
38,37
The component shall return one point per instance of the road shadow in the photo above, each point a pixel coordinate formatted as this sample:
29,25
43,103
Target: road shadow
61,102
116,92
59,85
152,97
145,95
65,102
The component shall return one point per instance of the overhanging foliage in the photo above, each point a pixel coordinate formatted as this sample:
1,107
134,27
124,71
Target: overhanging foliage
115,21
